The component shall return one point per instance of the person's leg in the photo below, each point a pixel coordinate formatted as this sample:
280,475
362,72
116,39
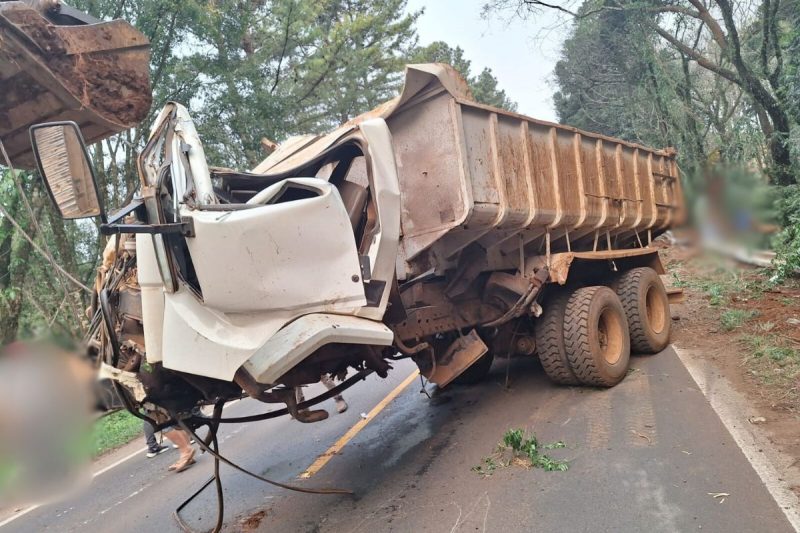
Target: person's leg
182,440
153,446
327,380
150,436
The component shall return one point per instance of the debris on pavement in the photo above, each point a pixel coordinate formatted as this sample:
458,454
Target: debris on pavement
523,450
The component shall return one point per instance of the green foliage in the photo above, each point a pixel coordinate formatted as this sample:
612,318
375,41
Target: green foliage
787,242
513,438
731,319
486,468
8,474
529,447
721,282
286,67
770,347
715,293
725,94
521,448
484,86
114,430
603,78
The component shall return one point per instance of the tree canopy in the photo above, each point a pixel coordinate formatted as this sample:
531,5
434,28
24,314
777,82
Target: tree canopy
484,85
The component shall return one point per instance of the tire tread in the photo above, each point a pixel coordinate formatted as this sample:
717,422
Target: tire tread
577,339
550,341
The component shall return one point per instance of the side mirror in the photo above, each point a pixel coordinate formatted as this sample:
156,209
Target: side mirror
66,169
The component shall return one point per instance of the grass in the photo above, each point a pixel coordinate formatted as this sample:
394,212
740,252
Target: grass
731,319
524,450
108,432
770,347
769,350
113,431
8,473
719,284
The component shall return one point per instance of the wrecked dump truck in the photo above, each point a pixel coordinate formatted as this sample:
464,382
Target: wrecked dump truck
432,228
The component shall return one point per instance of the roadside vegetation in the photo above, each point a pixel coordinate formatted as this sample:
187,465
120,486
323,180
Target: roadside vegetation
114,430
749,316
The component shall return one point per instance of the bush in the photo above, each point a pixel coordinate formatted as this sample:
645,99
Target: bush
787,242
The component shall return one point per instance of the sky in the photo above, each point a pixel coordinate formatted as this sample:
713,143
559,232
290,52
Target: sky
521,53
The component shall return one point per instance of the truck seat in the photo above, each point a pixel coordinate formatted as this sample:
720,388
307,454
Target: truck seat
354,197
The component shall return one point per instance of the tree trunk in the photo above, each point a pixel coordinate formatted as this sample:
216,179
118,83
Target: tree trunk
12,305
777,142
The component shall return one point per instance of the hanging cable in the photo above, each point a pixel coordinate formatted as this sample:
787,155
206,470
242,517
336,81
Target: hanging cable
211,445
349,382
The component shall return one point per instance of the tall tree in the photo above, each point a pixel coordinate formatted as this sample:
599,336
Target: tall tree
743,44
288,66
484,86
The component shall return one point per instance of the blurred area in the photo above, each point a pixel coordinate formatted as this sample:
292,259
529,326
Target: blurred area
735,213
46,407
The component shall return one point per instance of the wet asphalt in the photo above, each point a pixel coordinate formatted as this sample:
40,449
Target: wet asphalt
648,455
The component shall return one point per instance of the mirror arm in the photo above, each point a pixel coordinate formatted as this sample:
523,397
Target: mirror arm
185,228
135,204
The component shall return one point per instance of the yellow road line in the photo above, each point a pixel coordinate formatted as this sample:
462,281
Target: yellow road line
323,459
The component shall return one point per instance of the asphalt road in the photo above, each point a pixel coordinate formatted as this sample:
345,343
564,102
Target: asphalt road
647,455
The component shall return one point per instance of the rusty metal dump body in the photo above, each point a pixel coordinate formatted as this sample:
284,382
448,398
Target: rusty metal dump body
94,74
473,173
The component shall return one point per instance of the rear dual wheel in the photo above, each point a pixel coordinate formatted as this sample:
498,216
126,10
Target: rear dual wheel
596,338
582,338
549,329
646,305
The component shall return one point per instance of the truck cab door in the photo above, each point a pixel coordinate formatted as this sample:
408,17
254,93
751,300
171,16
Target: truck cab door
290,248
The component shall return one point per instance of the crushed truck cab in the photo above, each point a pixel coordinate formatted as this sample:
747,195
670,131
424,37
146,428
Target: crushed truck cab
252,267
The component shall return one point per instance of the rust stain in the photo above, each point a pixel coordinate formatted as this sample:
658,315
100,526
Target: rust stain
251,522
96,74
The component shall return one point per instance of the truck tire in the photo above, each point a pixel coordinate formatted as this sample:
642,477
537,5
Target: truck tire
549,330
596,336
646,306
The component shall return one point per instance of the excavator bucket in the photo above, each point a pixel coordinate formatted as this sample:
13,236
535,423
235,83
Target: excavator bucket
57,63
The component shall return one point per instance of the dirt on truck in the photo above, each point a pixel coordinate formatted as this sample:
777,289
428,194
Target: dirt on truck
432,228
57,64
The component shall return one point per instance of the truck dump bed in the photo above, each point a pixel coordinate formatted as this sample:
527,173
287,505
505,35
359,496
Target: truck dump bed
471,173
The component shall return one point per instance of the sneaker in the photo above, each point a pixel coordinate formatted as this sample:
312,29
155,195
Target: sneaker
341,405
157,451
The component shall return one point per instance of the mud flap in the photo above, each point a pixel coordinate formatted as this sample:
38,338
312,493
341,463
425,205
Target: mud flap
460,355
